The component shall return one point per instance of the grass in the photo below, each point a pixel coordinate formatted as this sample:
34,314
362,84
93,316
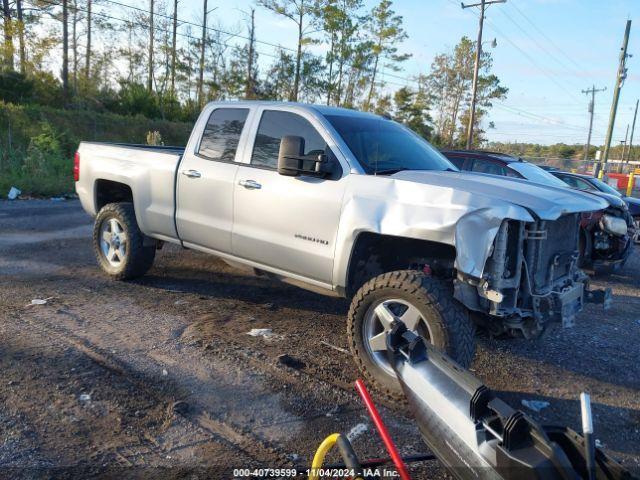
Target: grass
37,143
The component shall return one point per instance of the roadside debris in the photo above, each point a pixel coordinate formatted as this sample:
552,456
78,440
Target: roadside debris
85,397
261,332
180,407
356,431
13,193
339,349
164,372
291,362
535,405
39,301
57,199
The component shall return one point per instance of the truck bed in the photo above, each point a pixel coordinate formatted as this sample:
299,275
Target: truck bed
149,148
148,170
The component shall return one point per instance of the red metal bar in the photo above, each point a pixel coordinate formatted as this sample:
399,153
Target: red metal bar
382,430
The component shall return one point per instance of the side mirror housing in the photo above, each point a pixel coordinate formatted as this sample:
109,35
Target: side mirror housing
290,155
293,162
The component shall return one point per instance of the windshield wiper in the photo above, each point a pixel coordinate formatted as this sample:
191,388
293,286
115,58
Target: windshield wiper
390,171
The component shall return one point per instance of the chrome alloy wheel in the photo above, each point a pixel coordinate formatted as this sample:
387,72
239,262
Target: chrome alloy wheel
377,323
636,233
113,241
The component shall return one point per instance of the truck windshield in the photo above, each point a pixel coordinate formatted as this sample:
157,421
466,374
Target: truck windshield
385,147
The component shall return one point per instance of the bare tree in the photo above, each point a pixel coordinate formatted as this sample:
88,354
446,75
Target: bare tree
301,12
8,37
203,42
87,57
151,31
250,85
65,50
174,46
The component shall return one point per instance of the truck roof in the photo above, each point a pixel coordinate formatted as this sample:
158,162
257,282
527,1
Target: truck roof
322,109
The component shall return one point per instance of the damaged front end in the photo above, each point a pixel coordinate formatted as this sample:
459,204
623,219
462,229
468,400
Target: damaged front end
531,277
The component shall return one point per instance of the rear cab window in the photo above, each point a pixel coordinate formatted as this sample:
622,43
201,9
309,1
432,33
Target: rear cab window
221,135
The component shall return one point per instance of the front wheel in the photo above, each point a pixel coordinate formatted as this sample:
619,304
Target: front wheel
424,304
636,233
118,243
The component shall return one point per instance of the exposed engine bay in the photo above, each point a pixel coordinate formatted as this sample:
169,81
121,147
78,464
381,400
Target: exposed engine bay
532,277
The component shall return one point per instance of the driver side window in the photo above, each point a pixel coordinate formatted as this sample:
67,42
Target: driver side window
276,124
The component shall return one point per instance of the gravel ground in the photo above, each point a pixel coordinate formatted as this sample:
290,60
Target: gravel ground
158,377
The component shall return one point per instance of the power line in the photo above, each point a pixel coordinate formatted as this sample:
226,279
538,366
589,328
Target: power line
562,52
535,116
540,46
528,57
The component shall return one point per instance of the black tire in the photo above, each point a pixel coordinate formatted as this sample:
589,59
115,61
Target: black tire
636,224
138,257
450,327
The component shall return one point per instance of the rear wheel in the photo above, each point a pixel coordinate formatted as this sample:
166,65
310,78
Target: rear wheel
118,243
424,304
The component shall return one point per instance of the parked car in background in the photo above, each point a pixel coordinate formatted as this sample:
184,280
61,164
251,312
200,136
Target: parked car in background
590,184
606,239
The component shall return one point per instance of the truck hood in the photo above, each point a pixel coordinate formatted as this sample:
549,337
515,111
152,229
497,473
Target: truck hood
547,203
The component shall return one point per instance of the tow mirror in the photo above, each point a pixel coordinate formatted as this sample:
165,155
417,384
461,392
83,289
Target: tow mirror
290,155
292,161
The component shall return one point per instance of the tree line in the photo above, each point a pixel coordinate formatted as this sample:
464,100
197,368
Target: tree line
153,60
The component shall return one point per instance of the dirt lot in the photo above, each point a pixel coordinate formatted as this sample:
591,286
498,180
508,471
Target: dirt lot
159,378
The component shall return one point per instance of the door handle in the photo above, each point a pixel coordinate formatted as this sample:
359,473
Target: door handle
191,173
250,184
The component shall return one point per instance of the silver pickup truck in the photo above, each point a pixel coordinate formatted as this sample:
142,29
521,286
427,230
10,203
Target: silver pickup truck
347,204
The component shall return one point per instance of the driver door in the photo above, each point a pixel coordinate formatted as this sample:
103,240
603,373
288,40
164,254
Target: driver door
286,223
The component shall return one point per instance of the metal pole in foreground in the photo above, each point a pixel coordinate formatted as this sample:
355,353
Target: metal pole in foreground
587,432
476,68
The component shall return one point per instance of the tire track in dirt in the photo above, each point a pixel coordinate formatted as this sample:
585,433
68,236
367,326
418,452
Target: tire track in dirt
220,431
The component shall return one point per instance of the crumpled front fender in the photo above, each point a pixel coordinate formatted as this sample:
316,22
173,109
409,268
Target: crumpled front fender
388,206
475,233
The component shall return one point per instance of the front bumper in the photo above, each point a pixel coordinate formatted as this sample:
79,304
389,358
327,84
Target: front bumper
616,261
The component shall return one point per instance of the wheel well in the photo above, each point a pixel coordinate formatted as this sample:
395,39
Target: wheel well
374,254
108,191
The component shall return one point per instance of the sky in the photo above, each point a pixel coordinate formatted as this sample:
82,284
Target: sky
547,52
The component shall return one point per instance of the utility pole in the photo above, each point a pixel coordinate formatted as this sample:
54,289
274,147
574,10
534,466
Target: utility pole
593,90
620,77
624,146
633,129
474,94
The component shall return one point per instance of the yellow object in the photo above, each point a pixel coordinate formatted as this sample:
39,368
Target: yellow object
630,184
574,170
318,459
601,173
